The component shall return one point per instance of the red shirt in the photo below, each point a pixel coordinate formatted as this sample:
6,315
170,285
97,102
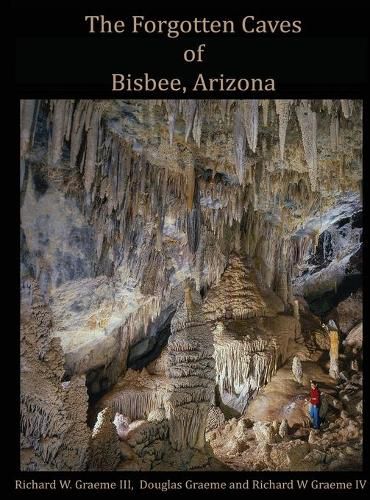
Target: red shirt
315,396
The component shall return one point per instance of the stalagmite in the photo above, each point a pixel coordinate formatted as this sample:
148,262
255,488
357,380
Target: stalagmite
236,295
264,432
334,350
105,451
191,374
53,414
283,429
297,370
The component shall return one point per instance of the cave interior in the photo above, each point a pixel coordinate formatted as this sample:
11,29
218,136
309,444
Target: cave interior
187,268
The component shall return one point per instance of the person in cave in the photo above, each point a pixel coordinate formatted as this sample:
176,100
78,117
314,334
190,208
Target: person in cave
315,401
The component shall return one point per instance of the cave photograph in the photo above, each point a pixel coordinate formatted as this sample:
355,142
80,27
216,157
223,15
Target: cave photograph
191,285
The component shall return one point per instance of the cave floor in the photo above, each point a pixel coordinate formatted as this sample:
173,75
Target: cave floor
336,446
283,397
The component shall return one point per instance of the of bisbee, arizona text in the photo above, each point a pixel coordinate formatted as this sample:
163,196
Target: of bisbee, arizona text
202,83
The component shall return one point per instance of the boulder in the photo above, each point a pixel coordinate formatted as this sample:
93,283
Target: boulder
350,311
289,455
264,432
283,429
322,339
122,425
354,338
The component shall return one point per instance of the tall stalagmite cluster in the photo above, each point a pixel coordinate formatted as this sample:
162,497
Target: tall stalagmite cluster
54,433
191,374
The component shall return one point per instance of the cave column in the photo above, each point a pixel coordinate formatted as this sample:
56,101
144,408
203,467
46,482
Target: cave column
334,350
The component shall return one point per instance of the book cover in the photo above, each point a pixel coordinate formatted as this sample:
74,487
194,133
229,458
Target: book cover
190,251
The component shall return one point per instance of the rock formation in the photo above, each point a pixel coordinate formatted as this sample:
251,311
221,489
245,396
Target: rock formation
283,428
105,450
122,424
54,433
297,369
334,350
136,394
191,374
215,418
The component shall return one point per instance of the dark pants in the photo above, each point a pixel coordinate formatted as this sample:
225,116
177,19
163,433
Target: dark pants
315,417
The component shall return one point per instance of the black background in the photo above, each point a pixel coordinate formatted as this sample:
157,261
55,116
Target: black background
57,57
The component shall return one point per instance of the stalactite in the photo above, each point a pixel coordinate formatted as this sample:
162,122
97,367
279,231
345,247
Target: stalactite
172,108
57,138
283,112
307,122
28,107
188,110
328,105
198,123
334,132
78,126
243,365
265,110
136,394
347,107
250,117
239,145
190,186
298,329
91,149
